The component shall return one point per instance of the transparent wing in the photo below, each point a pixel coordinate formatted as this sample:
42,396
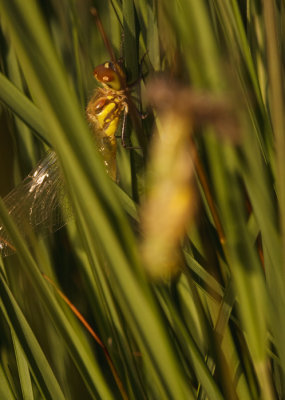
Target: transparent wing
38,202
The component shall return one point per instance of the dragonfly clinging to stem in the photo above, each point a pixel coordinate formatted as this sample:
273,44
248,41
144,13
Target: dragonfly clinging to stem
39,201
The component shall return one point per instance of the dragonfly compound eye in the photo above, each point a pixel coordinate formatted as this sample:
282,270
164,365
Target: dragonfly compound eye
108,74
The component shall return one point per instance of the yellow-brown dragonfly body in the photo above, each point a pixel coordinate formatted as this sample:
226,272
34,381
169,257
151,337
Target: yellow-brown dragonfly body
105,109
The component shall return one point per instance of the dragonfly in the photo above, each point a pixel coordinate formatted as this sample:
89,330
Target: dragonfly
39,201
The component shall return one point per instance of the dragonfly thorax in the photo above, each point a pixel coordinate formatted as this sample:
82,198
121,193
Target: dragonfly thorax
105,110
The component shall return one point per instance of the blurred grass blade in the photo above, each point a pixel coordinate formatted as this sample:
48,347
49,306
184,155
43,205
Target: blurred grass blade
23,368
5,390
43,374
22,107
277,106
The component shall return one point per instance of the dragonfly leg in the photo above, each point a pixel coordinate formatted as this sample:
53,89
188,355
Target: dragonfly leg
141,75
124,133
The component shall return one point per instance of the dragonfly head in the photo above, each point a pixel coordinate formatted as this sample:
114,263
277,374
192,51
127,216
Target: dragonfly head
110,74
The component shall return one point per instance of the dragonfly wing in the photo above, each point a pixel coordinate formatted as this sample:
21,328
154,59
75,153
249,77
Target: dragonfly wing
39,202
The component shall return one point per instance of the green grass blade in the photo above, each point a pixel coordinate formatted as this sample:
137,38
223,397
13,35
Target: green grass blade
5,390
47,383
22,107
23,368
